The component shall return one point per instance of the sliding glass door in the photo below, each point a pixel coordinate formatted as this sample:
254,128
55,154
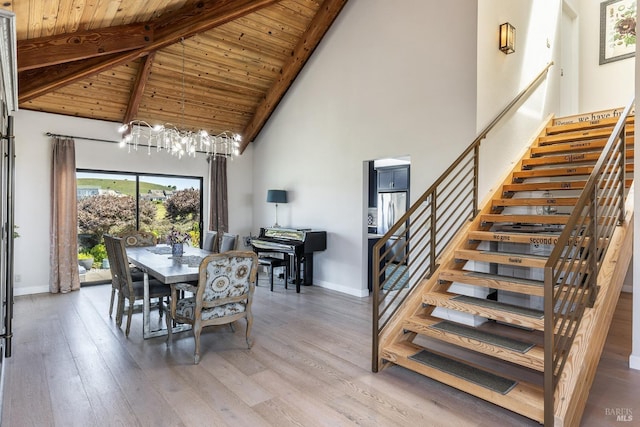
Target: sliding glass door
114,202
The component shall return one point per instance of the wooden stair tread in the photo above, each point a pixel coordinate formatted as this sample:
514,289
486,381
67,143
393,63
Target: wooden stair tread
558,219
494,281
562,171
576,146
536,201
504,258
495,310
580,135
510,237
525,398
567,159
591,124
525,219
550,185
479,340
524,238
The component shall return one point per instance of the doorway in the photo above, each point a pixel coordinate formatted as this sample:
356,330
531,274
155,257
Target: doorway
386,199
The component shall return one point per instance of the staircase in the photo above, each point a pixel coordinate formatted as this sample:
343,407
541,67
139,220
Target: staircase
474,317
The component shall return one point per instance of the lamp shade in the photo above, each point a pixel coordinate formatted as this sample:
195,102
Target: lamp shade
276,196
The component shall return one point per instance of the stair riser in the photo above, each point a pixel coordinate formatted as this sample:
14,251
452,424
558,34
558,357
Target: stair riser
497,315
493,284
513,260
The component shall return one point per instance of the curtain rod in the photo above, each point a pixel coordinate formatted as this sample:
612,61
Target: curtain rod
57,135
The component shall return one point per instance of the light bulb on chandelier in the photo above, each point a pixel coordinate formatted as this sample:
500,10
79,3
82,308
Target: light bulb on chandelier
178,142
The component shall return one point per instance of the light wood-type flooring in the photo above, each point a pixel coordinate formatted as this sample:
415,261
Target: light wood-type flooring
310,366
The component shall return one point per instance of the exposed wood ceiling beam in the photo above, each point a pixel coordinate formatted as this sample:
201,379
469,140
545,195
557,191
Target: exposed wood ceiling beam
61,48
184,23
290,70
138,88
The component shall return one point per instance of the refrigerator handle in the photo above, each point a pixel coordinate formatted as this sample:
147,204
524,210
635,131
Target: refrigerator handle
390,215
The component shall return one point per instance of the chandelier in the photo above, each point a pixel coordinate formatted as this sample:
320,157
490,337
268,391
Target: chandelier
176,141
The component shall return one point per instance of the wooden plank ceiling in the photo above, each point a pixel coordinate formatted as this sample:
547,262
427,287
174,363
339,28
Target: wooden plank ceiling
215,65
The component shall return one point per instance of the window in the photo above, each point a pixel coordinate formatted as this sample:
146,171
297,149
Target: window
113,202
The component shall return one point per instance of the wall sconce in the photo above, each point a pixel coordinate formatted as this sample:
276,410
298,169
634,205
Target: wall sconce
507,38
276,196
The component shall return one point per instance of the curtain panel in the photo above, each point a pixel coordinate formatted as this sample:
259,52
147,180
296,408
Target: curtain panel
218,204
64,275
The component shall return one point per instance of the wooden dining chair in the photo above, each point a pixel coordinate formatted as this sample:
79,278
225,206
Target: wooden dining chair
210,241
223,295
132,291
137,238
115,280
229,242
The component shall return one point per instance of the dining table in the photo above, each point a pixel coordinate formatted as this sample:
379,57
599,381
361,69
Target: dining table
159,263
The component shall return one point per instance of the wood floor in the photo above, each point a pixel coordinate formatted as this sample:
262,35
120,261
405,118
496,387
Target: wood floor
309,366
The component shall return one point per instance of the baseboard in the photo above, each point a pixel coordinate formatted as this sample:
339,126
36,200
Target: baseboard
360,293
30,290
634,362
627,288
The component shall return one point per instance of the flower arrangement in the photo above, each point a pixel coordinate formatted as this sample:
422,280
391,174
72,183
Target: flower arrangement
177,236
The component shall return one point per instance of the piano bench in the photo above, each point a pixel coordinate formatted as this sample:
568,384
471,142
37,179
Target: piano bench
272,263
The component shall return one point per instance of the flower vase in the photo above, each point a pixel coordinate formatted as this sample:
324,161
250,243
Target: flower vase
177,249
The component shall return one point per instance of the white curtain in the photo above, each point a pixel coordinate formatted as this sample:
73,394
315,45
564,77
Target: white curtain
64,275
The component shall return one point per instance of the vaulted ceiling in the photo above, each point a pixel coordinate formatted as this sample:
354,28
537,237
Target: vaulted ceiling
216,65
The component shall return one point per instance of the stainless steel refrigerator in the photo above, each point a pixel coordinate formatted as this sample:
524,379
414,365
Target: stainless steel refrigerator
391,207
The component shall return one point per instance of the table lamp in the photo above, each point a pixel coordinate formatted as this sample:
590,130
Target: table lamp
276,196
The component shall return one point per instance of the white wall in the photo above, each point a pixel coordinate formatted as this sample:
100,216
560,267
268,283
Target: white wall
601,86
33,181
501,77
386,81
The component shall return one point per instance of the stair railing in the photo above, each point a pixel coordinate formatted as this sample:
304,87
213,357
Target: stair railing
571,272
408,252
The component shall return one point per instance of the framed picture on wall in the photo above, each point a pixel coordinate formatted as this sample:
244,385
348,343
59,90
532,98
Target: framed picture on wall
617,30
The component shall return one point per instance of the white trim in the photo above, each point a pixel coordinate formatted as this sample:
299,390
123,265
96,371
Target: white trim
634,362
360,293
18,291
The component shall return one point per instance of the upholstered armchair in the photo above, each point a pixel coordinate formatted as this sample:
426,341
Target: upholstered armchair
223,295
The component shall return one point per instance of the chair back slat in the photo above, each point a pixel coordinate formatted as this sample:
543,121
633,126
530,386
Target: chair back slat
122,263
113,262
